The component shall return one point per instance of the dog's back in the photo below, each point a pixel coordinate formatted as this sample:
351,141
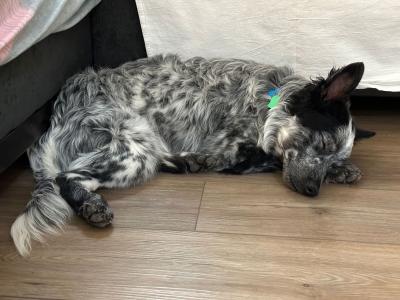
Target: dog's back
185,101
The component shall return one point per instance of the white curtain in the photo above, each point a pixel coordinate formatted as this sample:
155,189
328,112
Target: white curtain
309,35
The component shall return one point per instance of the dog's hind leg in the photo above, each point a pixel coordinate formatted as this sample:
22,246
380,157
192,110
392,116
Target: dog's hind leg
131,157
113,167
85,203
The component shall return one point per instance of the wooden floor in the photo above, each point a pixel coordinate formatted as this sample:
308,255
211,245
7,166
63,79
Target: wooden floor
223,237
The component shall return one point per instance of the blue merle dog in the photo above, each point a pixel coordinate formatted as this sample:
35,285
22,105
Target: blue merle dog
117,128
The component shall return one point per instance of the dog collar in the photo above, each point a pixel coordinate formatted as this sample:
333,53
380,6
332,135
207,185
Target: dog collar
273,97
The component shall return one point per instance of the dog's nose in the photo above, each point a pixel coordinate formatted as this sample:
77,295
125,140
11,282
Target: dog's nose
311,190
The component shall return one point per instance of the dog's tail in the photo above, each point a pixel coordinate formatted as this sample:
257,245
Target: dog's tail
45,213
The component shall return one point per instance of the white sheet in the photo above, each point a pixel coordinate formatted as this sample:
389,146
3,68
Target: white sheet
310,35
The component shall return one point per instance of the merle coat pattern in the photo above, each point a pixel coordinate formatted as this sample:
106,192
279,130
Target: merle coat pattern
119,127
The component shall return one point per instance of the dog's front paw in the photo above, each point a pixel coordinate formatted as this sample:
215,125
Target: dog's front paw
96,212
346,173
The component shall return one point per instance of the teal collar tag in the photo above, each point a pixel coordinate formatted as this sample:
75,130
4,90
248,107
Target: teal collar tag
273,96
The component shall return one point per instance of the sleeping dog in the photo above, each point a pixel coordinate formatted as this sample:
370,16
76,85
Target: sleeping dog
118,128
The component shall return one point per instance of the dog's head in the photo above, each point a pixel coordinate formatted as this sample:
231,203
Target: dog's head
312,129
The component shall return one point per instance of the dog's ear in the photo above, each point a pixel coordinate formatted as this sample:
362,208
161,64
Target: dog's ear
340,83
363,134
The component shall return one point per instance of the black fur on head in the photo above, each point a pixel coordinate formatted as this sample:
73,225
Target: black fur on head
324,103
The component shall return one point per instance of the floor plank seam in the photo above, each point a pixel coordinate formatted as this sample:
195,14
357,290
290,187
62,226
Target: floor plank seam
31,298
297,238
311,206
198,209
348,186
281,237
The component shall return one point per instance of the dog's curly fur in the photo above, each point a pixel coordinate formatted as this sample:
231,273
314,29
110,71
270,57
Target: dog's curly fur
118,127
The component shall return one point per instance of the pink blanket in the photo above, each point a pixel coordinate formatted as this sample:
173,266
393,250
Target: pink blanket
25,22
